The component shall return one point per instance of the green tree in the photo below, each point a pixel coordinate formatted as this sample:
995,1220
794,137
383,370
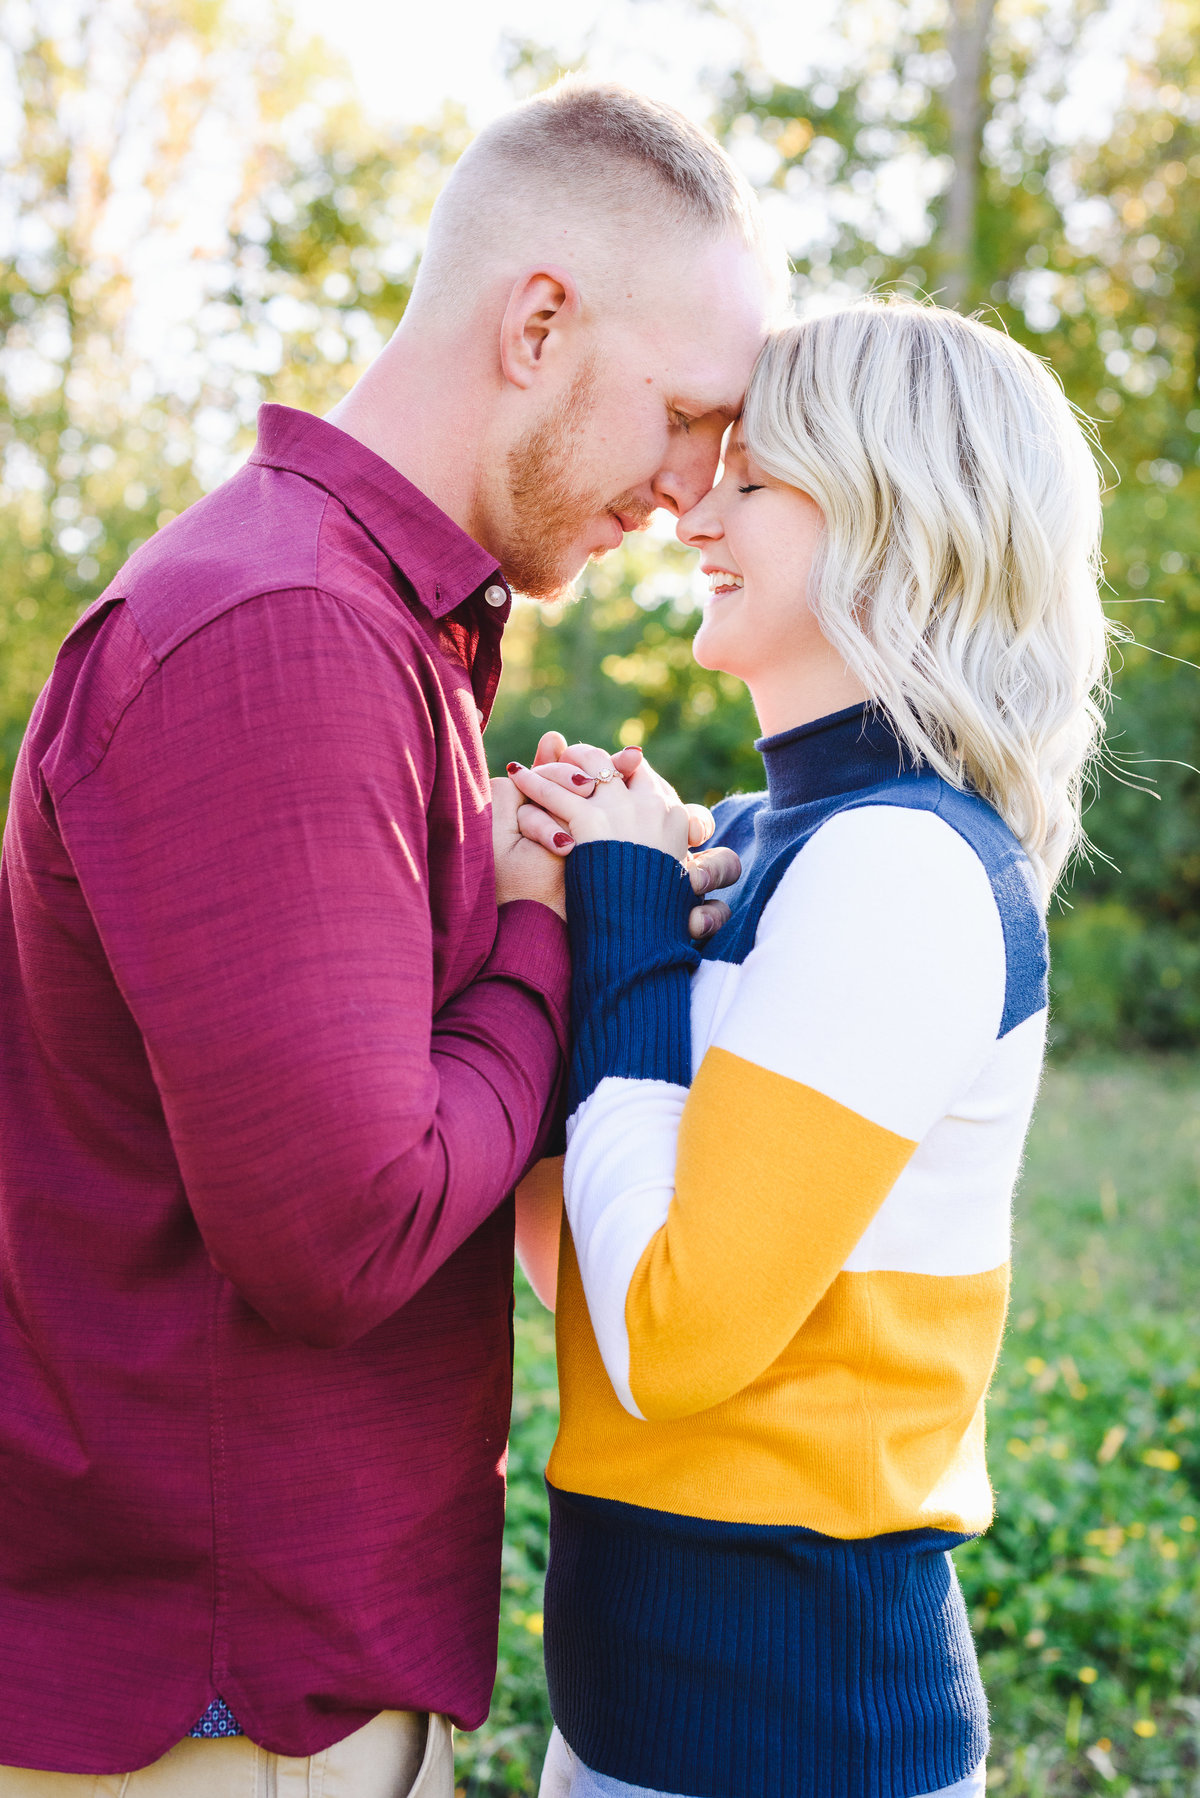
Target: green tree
177,156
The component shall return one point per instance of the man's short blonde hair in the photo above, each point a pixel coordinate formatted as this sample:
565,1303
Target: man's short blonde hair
596,154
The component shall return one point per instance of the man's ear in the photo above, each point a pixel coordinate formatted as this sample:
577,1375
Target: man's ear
542,308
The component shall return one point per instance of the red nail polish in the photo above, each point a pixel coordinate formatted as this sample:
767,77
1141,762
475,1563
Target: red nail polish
513,768
582,780
561,839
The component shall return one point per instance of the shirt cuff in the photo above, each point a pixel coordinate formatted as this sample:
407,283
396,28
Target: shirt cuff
532,947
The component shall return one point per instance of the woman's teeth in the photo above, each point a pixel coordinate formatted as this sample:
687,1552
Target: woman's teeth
720,580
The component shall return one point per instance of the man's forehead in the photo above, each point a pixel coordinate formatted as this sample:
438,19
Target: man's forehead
712,330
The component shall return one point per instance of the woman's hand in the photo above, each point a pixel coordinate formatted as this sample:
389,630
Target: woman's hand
553,749
595,801
574,769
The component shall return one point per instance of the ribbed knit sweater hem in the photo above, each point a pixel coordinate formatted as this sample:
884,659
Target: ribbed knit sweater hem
734,1660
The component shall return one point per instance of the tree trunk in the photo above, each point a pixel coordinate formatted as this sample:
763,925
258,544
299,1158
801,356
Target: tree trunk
970,24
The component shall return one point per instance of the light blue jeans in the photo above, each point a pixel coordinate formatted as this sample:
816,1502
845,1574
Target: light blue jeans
565,1776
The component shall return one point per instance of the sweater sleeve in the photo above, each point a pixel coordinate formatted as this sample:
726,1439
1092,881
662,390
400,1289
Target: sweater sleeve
709,1220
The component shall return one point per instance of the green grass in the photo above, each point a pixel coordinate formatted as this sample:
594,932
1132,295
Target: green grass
1085,1595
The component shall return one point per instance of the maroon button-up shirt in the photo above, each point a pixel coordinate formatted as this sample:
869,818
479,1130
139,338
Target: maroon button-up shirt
270,1062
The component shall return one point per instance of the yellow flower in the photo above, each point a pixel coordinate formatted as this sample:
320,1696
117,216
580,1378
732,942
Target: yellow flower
1166,1458
1168,1550
535,1623
1035,1365
1019,1449
1088,1676
1111,1540
1187,1525
1113,1438
1145,1726
1104,1745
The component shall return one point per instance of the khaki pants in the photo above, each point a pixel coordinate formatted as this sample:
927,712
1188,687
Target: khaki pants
398,1754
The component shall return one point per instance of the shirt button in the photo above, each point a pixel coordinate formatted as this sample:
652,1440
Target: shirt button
496,596
479,713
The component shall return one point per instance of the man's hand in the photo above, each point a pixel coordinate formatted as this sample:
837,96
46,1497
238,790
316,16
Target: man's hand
574,767
524,869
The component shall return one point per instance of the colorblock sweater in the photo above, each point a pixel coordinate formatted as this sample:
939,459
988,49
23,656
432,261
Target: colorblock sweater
783,1281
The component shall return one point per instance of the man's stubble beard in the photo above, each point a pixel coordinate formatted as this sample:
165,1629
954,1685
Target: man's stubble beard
547,513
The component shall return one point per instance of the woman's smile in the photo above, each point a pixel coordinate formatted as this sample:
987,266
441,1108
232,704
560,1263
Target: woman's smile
722,580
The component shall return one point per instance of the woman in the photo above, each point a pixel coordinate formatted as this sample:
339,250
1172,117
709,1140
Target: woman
791,1155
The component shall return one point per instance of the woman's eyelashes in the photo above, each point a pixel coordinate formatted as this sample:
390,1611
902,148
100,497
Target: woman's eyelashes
681,419
751,487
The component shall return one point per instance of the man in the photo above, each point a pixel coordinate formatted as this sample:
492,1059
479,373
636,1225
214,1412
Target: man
270,1057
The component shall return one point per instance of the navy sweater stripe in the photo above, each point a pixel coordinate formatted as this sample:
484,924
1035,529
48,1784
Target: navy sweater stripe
730,1660
631,995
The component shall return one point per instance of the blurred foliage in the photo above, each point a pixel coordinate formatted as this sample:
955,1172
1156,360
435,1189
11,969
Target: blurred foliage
1085,1593
186,159
197,217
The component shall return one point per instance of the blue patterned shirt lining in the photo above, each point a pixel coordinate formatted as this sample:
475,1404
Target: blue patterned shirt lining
218,1720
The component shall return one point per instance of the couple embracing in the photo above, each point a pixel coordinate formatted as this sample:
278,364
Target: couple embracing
293,999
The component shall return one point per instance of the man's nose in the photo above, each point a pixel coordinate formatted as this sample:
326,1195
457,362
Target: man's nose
689,474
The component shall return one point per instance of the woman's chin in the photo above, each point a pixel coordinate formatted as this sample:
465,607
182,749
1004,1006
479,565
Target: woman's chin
709,651
705,647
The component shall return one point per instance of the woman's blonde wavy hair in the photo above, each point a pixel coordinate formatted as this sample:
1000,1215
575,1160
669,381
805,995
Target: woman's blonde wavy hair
959,571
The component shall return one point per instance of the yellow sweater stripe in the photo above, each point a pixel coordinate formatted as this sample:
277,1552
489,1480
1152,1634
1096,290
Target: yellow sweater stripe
774,1185
869,1421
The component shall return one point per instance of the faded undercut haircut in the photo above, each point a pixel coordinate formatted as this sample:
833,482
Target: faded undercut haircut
959,569
599,156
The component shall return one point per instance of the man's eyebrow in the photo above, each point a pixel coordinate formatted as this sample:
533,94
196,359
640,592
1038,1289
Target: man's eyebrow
702,409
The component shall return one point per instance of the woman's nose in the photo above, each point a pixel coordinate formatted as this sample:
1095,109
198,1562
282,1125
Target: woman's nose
700,525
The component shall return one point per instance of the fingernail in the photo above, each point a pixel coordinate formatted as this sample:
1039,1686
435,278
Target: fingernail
707,925
582,780
633,749
514,767
561,839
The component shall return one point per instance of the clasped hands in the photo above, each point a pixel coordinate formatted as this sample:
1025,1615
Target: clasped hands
580,794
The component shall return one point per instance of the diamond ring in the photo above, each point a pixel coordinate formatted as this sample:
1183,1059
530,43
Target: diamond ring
606,774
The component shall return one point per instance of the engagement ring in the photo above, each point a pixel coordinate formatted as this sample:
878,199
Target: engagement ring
605,775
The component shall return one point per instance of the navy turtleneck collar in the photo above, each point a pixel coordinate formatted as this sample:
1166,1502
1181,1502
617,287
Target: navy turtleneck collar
843,753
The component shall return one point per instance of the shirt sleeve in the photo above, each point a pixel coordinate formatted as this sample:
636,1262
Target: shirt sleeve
708,1221
254,849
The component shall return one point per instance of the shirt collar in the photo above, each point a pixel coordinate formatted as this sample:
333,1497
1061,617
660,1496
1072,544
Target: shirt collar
844,752
441,563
